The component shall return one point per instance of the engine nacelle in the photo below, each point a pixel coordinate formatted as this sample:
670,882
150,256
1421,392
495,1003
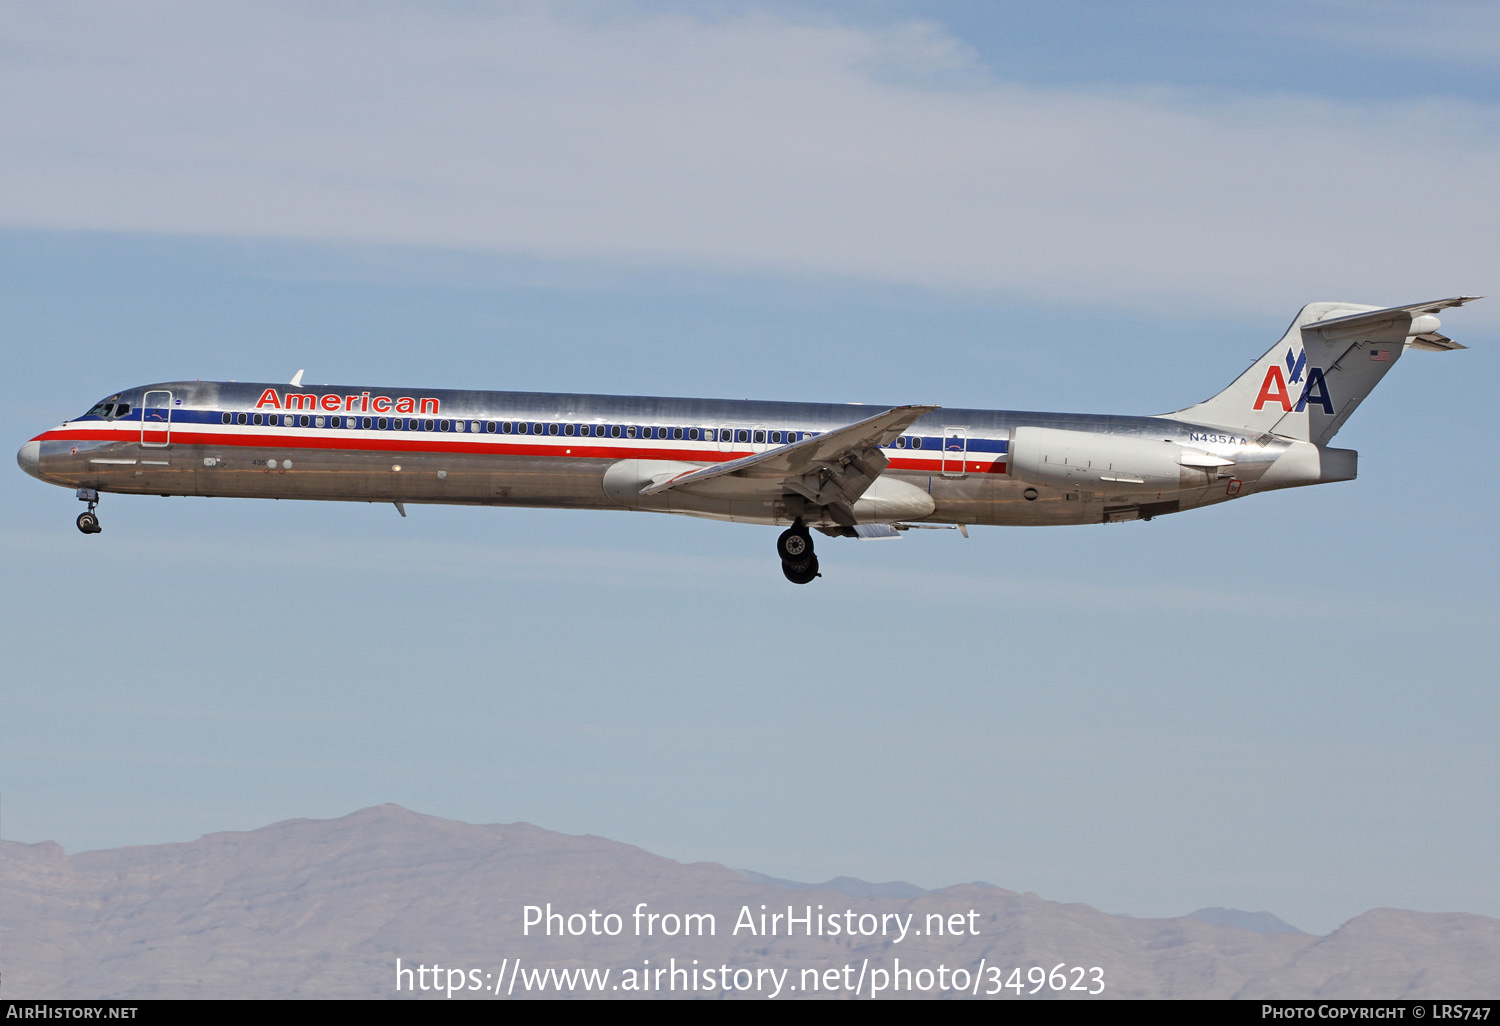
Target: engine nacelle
1096,461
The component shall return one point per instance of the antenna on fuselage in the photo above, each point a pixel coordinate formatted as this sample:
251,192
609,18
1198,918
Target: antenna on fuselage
297,379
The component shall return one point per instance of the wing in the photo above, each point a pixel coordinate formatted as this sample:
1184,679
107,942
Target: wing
831,469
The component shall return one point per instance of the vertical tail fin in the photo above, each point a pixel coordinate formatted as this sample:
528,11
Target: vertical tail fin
1331,357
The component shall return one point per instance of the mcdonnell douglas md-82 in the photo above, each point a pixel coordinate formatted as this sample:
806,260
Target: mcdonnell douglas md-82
837,468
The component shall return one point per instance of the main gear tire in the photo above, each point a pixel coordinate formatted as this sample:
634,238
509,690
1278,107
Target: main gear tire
804,572
795,545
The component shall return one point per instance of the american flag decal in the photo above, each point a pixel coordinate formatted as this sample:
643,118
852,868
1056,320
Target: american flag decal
1380,355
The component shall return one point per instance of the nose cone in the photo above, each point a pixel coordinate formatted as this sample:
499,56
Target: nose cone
30,458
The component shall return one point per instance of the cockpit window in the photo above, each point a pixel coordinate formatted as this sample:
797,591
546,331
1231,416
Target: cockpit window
109,411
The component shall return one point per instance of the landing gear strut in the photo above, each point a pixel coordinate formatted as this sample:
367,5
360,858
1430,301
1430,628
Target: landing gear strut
795,548
88,522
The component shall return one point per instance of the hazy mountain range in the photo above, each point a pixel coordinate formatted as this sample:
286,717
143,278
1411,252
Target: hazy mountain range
325,908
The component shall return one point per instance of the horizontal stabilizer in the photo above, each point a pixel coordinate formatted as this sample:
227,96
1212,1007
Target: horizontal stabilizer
1421,329
1374,318
1432,342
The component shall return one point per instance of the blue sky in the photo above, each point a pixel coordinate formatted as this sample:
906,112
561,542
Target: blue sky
1283,703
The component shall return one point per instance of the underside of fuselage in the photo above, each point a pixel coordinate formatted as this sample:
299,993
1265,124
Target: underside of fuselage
500,480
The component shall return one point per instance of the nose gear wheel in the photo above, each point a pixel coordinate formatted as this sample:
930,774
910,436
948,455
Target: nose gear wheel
88,522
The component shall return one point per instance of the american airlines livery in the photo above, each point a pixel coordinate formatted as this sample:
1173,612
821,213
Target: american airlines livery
840,469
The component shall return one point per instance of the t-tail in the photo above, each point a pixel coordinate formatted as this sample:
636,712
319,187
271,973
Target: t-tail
1330,358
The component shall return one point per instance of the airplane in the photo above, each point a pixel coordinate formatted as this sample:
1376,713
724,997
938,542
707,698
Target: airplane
838,469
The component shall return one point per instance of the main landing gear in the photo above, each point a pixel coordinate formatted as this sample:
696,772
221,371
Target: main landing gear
795,548
88,522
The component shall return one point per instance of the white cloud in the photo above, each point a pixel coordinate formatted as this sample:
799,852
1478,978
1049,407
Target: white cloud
749,142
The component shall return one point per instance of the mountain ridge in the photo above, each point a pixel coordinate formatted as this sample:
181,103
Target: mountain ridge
324,908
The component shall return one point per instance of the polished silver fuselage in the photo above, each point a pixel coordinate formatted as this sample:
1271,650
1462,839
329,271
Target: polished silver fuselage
355,443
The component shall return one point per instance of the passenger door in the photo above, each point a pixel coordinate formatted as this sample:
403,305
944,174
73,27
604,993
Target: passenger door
156,420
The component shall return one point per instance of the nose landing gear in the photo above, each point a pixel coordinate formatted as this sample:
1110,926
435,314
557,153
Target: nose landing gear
795,547
88,522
